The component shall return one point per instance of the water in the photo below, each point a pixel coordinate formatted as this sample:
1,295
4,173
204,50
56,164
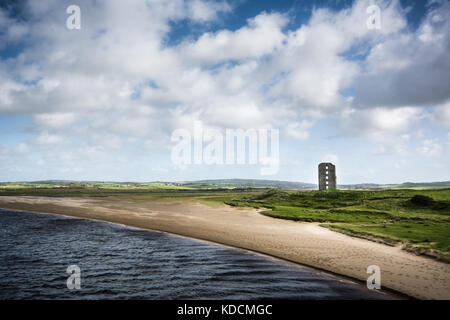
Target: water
118,262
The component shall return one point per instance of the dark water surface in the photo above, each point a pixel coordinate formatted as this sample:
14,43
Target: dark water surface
119,262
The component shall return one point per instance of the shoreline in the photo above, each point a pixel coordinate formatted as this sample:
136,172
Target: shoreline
306,244
384,291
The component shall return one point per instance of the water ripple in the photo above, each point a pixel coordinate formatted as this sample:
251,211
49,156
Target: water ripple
118,262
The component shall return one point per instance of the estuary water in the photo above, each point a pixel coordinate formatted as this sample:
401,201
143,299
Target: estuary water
118,262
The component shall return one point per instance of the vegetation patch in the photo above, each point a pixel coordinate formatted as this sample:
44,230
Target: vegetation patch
418,219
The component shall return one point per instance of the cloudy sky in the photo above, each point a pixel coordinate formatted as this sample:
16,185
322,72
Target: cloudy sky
102,102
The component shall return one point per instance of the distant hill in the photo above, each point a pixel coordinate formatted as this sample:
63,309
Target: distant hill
217,184
441,183
290,185
253,183
405,185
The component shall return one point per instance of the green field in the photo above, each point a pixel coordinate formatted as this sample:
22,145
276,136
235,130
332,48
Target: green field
395,216
100,185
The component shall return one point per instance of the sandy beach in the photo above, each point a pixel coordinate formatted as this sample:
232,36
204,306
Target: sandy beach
304,243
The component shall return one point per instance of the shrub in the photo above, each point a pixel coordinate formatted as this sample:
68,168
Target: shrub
422,200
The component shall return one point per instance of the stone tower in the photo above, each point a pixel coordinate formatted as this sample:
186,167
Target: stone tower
327,176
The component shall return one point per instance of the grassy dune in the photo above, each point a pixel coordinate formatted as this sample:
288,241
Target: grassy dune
418,219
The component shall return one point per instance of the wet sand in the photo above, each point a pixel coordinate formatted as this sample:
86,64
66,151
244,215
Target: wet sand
305,243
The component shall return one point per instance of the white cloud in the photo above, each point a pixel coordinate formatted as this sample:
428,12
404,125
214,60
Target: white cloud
46,138
393,145
378,122
430,147
55,120
119,81
409,68
261,36
22,148
387,128
206,10
299,130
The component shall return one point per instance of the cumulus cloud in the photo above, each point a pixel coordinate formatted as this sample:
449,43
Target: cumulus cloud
409,68
55,120
378,122
430,147
120,50
118,81
206,11
261,36
46,138
299,130
387,128
393,145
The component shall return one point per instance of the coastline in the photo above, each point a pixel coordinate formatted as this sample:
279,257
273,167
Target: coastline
304,243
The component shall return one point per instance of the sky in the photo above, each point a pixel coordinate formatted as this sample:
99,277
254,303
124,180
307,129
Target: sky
103,102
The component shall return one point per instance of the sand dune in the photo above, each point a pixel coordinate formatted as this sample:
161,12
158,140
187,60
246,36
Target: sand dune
305,243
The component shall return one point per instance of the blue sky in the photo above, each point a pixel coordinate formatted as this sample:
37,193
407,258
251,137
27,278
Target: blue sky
103,102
